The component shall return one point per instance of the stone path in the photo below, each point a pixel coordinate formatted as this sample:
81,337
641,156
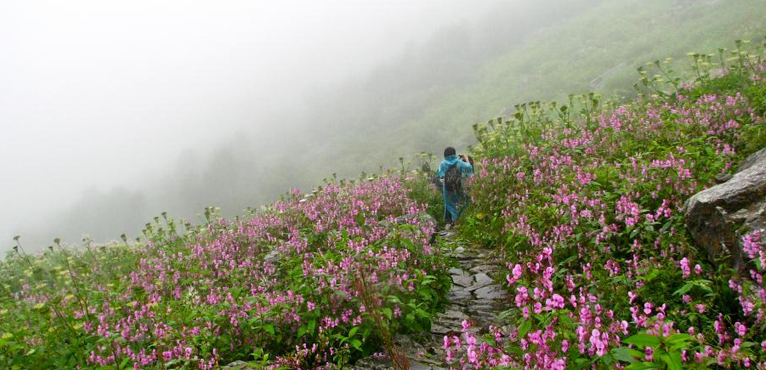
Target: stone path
475,296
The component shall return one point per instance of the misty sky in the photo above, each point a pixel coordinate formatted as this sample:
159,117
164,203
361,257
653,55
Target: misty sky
106,93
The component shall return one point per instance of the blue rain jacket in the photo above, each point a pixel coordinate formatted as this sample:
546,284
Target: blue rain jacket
452,201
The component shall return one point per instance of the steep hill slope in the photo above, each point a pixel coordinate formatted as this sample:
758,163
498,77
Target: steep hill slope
423,100
597,49
580,203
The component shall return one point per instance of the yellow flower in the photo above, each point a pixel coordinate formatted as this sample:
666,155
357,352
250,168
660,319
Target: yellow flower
39,306
7,336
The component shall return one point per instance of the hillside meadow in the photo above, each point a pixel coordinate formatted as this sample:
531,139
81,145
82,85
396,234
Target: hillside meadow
581,200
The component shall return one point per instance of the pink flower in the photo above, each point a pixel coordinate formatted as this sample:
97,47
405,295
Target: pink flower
740,328
466,325
648,308
649,354
685,267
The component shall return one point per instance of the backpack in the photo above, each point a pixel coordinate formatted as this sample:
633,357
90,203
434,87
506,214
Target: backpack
452,179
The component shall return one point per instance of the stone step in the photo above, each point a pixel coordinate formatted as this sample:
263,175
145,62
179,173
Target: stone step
464,279
491,292
480,280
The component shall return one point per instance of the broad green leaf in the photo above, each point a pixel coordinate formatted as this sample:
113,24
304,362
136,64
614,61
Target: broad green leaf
312,326
269,328
627,354
673,360
678,341
643,340
687,287
388,313
642,366
356,343
524,328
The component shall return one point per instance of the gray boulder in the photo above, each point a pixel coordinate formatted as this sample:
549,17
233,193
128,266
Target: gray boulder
719,216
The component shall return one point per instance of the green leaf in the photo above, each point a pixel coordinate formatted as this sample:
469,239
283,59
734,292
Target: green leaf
653,274
388,313
642,366
627,354
687,287
312,326
642,340
353,331
678,341
356,343
124,363
673,360
269,328
525,327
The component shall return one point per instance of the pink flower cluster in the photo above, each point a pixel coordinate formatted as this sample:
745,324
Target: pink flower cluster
291,267
593,235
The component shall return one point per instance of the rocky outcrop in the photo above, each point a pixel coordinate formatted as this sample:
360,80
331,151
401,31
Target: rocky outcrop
719,216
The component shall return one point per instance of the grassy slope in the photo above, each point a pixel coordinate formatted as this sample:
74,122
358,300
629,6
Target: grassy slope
563,60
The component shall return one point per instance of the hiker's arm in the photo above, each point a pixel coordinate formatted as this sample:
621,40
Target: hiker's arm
467,168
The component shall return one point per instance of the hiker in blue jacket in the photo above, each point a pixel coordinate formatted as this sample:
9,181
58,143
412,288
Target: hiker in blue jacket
451,172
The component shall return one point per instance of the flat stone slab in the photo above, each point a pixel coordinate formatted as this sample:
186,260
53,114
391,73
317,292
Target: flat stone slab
482,278
458,294
452,314
480,281
443,330
485,268
456,271
448,322
417,365
464,280
481,309
491,292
